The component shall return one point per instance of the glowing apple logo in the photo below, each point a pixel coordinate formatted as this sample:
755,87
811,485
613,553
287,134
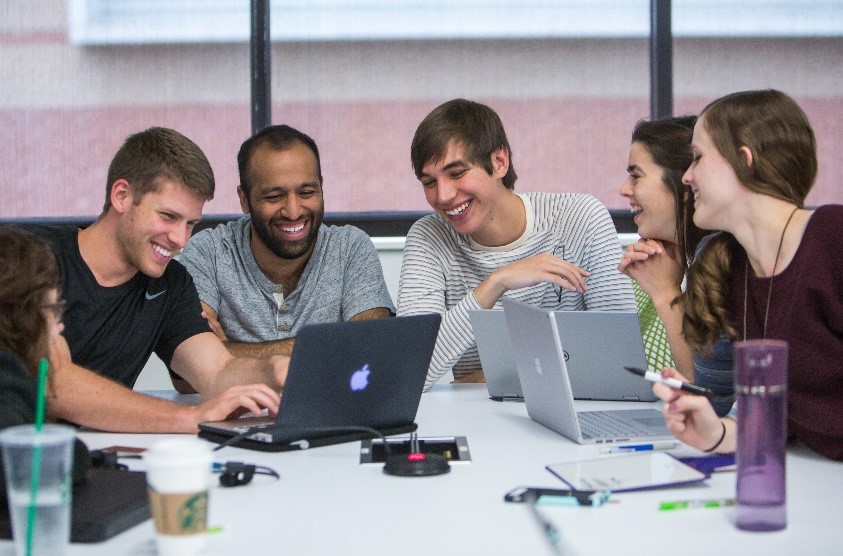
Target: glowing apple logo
360,379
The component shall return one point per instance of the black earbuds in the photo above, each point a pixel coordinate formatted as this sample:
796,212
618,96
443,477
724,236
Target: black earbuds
237,473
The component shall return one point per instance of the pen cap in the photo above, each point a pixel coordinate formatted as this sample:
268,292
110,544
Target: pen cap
761,391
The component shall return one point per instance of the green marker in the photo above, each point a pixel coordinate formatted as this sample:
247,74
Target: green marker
692,504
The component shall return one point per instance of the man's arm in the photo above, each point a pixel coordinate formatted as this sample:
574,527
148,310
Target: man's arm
264,350
203,361
422,289
376,313
86,398
530,271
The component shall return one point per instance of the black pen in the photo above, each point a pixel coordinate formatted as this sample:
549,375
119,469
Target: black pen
674,383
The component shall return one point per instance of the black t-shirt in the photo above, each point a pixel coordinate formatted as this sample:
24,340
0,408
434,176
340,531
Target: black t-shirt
17,401
17,393
114,330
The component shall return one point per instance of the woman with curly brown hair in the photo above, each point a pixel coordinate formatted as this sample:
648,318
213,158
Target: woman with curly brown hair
30,329
30,320
774,271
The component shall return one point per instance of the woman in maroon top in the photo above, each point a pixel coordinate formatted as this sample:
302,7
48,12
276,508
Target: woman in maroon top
775,271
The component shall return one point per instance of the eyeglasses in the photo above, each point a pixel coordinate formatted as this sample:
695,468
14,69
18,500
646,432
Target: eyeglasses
56,308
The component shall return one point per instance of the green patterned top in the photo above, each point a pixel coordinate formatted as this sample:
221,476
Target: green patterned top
652,330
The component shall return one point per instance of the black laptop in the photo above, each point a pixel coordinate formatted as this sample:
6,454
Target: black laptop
343,377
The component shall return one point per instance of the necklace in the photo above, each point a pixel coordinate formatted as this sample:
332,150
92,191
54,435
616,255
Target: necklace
770,287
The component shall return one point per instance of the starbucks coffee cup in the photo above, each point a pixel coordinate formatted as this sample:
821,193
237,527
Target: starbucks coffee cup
178,474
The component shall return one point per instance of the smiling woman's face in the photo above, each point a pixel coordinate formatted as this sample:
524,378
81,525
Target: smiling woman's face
714,184
652,203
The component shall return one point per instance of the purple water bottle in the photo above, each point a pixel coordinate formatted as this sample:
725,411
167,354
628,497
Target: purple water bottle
761,391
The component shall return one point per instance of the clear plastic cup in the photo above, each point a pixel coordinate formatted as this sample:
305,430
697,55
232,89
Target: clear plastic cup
42,519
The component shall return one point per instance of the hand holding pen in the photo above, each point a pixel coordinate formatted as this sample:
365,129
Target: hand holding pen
577,284
544,268
691,418
674,383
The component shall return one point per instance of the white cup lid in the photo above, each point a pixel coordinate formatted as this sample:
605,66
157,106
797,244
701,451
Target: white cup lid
178,451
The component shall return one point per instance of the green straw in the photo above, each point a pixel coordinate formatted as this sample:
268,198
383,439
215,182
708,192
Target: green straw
43,366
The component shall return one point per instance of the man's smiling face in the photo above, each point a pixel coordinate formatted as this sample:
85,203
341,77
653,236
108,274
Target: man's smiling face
285,199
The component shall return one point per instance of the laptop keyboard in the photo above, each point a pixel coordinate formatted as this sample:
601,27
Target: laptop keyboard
608,424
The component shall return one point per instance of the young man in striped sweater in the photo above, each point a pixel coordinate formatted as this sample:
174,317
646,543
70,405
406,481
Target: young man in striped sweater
554,250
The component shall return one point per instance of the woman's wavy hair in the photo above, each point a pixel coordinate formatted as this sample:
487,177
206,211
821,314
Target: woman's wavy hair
784,165
27,273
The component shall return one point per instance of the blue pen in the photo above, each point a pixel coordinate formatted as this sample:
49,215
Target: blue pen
639,447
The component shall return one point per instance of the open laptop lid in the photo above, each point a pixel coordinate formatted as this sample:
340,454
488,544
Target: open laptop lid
597,346
547,389
361,373
496,353
540,348
368,373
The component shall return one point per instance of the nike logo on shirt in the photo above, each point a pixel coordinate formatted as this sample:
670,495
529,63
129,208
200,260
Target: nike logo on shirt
151,296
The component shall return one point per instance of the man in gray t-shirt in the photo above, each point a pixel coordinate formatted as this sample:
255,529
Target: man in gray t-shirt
264,276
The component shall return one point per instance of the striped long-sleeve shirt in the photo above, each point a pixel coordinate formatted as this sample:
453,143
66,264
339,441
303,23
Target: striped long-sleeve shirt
441,269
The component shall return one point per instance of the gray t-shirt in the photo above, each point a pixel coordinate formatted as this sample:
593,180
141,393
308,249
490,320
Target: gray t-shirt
342,278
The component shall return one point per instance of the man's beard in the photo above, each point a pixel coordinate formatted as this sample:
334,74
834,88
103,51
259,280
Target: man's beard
287,249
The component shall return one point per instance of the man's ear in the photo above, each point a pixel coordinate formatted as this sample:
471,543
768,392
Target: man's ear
500,162
244,199
747,156
121,195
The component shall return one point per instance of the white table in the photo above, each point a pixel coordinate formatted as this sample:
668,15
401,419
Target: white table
327,503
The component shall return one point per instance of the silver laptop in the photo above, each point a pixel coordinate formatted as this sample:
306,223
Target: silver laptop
616,334
496,356
540,348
